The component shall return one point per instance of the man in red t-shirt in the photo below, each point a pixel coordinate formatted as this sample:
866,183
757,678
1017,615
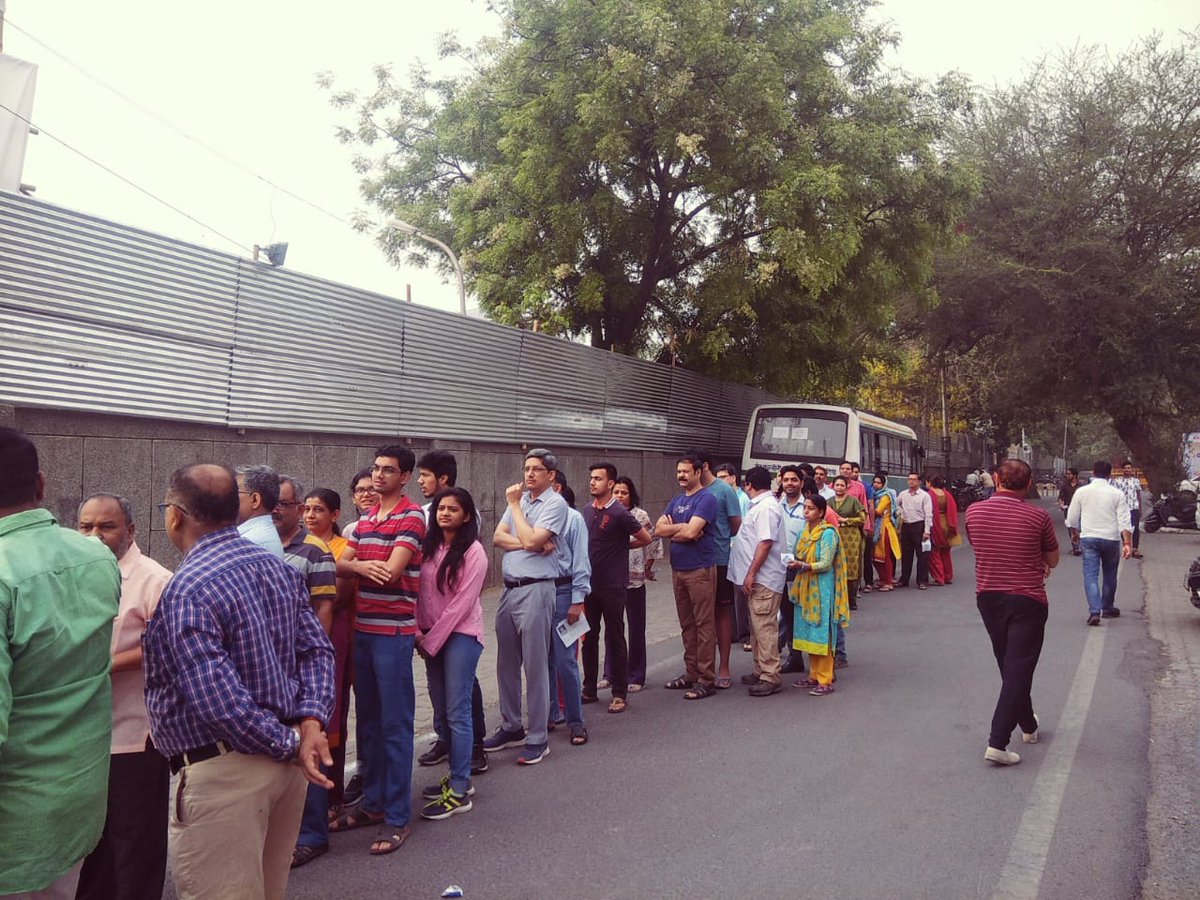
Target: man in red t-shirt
1015,549
384,557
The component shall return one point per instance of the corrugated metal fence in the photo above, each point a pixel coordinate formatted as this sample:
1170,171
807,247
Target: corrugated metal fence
102,317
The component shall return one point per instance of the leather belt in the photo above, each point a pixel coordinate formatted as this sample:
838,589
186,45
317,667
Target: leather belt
199,754
562,582
521,582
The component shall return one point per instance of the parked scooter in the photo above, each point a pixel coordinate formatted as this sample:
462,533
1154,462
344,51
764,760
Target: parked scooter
965,494
1172,511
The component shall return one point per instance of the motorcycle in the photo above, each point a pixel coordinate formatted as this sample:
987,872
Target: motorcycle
965,494
1172,511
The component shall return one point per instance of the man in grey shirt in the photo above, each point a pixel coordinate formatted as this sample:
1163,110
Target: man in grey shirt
535,517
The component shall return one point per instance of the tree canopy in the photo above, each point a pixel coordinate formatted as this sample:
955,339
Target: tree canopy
1077,285
736,183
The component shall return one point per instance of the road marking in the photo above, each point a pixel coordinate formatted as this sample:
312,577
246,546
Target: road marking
1021,876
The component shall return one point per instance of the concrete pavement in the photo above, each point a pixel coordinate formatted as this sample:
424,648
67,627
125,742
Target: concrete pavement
878,790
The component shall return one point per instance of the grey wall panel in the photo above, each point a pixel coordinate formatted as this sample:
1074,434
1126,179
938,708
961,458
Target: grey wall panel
737,402
563,402
636,404
461,377
45,361
694,411
89,270
269,390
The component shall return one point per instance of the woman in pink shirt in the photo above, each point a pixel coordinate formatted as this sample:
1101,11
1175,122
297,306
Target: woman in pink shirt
450,638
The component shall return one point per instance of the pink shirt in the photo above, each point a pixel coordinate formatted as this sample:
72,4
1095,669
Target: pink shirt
142,583
456,609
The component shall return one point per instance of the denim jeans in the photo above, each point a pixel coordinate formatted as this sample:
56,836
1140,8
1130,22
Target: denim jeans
564,664
1135,516
1100,555
451,676
383,675
839,652
314,824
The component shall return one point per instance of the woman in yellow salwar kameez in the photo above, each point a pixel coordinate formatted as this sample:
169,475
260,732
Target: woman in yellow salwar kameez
887,539
819,594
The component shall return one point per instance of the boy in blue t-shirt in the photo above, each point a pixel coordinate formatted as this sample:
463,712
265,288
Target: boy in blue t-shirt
694,577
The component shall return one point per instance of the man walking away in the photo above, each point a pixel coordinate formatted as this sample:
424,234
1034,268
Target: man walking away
1015,549
58,596
1100,516
916,513
756,565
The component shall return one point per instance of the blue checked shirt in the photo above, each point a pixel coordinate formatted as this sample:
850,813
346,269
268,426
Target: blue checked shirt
235,651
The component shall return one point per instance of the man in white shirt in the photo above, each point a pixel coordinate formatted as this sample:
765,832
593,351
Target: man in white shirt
916,513
1131,486
755,564
820,476
1100,516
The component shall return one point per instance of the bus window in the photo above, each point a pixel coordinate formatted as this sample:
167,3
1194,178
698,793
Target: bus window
783,435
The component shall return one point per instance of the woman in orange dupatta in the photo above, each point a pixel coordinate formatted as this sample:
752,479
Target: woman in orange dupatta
945,532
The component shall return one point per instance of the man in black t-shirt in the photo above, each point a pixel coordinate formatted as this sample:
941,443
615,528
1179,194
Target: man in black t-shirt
1065,493
610,527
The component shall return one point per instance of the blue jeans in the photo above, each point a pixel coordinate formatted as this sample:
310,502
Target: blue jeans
314,824
1100,555
839,651
451,677
564,664
383,673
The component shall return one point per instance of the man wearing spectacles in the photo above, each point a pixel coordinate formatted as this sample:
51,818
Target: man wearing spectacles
239,686
258,495
535,518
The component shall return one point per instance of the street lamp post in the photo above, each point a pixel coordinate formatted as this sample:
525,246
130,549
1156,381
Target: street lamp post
412,230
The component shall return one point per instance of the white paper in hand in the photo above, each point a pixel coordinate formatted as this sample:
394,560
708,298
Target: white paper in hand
569,634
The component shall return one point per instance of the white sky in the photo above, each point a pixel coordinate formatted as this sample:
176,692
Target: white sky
241,76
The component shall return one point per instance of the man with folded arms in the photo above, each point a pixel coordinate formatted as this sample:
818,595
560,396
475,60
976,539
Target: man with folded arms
239,686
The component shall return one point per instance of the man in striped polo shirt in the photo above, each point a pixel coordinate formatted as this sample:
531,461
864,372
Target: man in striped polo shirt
384,556
1015,549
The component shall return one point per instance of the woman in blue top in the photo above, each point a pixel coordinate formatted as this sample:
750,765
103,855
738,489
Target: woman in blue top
819,595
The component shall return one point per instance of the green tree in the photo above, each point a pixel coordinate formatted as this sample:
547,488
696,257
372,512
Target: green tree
735,183
1078,284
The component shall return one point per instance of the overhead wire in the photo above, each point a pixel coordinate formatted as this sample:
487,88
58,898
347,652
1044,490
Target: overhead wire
176,128
122,178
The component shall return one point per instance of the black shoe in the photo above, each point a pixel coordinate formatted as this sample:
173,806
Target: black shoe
1093,619
750,679
353,793
448,803
438,753
434,791
854,605
1111,613
502,740
479,763
764,689
793,665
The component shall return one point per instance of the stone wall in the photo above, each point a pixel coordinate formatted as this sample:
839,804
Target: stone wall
82,453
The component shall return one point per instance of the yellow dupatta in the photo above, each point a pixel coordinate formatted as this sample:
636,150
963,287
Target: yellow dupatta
806,589
888,538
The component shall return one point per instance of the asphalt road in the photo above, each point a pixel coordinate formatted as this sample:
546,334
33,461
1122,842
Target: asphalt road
878,790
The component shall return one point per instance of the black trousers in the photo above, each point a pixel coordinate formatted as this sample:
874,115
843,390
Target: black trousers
791,660
605,606
911,534
130,862
1016,624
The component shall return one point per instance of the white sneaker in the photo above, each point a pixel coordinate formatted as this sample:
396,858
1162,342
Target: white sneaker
1001,757
1032,738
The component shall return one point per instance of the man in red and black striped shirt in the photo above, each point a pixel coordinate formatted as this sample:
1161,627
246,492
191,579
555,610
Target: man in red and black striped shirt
384,556
1015,549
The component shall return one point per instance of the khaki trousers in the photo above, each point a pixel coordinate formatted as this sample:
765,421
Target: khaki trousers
234,823
695,597
764,631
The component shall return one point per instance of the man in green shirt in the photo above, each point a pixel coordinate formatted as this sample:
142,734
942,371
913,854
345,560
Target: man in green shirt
59,593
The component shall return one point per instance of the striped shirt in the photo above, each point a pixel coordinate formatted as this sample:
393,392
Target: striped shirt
312,558
1009,537
233,652
389,608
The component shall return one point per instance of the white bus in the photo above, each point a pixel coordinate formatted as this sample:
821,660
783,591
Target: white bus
782,433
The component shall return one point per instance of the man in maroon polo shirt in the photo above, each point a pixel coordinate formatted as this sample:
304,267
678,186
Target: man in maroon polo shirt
1015,549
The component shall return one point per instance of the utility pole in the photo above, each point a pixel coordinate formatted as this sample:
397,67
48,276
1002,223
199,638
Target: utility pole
945,429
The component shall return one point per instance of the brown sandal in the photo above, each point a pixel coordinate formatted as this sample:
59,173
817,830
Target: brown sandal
354,817
392,842
617,705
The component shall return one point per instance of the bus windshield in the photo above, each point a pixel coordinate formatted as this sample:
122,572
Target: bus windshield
796,436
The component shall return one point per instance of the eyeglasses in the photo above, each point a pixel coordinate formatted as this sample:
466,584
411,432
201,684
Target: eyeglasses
536,469
363,490
384,470
162,508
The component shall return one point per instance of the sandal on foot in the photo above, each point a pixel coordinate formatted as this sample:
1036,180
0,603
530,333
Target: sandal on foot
747,647
603,684
699,691
724,682
303,854
617,705
679,684
634,688
355,817
391,842
579,735
588,698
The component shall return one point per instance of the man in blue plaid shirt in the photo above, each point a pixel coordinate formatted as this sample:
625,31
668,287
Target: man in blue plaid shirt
239,686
